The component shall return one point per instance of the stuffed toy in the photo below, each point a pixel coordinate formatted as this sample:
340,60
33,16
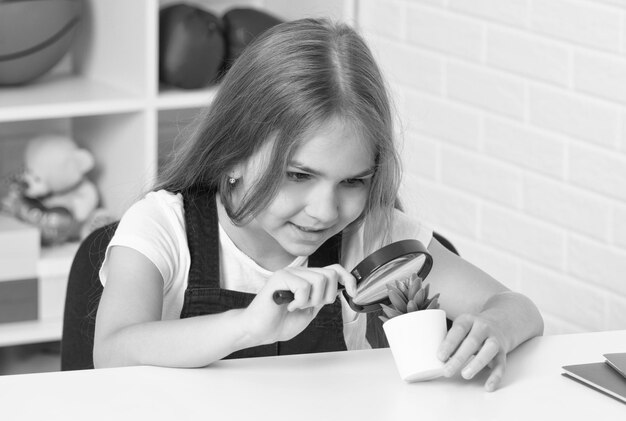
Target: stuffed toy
53,193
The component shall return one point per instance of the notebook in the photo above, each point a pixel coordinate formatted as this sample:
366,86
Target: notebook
617,361
600,376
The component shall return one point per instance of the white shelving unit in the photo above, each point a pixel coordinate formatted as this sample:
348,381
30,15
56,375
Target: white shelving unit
106,95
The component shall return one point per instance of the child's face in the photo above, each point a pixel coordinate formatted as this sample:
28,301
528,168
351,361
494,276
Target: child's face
325,188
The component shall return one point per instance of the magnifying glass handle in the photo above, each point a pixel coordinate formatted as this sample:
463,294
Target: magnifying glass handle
282,296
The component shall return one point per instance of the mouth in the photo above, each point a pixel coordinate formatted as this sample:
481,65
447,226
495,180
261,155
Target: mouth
310,233
308,229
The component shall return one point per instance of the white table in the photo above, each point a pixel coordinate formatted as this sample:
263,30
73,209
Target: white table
359,385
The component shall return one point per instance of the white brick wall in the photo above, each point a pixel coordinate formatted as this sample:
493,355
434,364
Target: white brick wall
514,126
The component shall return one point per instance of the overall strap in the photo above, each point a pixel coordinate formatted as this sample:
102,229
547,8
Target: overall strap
328,253
202,237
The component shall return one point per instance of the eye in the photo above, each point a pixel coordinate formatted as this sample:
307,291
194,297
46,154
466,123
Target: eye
298,176
356,182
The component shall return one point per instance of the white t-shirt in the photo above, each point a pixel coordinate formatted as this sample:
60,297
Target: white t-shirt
155,227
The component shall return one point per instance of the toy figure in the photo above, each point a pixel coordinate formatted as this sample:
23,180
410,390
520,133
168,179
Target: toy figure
53,193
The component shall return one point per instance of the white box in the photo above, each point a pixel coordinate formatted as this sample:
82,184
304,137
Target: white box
20,248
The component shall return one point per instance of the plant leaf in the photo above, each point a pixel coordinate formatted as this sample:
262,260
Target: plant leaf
390,312
419,299
434,303
411,306
398,300
383,318
404,289
414,286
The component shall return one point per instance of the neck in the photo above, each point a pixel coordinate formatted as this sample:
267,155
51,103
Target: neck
255,243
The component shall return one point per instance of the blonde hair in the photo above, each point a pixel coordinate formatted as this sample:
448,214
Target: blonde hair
293,78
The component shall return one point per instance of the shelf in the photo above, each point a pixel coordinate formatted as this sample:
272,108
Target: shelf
55,261
106,95
20,333
65,96
53,268
171,99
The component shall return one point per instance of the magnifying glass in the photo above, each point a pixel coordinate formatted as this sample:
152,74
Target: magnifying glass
394,262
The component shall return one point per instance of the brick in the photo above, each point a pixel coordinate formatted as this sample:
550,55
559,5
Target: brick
444,120
481,176
410,66
562,296
601,75
574,115
420,156
444,207
580,22
385,17
554,325
526,237
511,12
596,263
619,226
618,3
525,146
486,89
567,206
598,170
502,266
528,55
616,312
444,32
430,2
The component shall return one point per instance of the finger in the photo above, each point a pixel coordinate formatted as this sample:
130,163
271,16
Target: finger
495,378
318,283
470,346
345,278
459,330
486,354
301,291
331,279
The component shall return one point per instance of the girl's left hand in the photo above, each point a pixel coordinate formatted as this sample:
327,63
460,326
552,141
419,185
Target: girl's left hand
474,342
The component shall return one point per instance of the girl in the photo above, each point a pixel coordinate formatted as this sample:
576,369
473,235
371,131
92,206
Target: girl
290,177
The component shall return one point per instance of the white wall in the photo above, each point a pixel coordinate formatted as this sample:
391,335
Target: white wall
514,123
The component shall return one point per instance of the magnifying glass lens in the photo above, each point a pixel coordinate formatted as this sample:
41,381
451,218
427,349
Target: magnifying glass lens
374,288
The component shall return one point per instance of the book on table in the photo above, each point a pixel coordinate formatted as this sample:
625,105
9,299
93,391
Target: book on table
608,377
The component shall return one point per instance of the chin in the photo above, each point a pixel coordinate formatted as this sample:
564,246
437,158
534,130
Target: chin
301,249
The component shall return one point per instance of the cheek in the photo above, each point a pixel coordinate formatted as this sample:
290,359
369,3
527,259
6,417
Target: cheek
353,203
288,201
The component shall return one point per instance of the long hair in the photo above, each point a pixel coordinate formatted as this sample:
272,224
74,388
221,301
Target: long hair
291,79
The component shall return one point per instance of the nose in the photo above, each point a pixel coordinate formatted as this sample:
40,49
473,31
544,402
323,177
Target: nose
323,205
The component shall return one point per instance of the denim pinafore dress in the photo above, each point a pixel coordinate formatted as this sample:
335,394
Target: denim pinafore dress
205,296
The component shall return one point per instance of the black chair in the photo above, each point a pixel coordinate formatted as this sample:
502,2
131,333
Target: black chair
81,300
83,295
445,242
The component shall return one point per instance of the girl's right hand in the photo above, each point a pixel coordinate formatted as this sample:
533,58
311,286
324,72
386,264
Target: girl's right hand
266,322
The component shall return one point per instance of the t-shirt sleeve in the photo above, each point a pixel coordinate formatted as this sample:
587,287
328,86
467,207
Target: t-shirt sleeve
153,226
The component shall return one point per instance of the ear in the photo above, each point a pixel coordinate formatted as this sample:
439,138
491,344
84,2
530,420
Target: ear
236,171
85,160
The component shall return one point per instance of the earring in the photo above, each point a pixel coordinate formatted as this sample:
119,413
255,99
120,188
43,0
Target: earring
232,180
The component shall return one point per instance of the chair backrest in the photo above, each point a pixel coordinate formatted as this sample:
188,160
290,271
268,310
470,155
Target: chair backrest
81,300
445,242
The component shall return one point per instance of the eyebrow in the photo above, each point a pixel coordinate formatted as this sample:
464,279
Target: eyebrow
304,168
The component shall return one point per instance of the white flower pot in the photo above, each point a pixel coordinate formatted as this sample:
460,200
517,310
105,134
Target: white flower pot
414,339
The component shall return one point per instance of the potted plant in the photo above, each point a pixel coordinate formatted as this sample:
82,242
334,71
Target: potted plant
415,327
